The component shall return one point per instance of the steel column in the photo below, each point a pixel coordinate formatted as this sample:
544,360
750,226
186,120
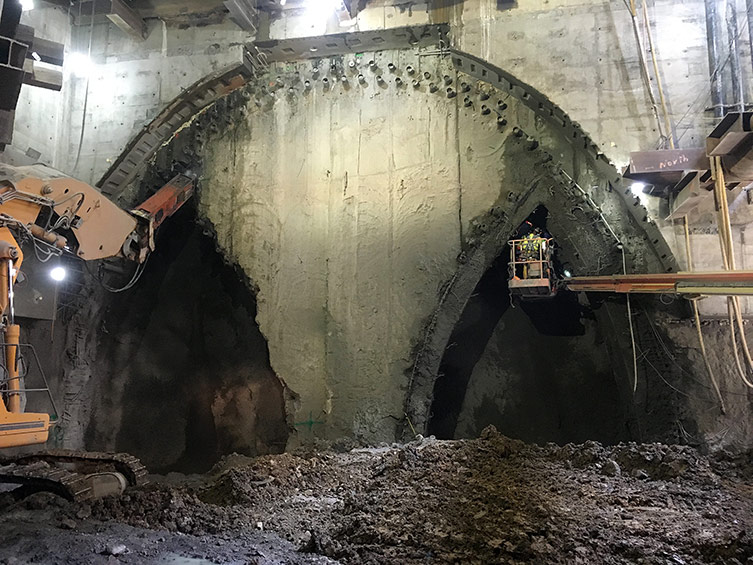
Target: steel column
713,33
738,95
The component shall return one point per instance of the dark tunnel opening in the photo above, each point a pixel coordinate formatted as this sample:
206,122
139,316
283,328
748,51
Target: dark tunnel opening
183,369
539,371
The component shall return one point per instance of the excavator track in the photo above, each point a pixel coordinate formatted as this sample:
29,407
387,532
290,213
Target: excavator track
67,473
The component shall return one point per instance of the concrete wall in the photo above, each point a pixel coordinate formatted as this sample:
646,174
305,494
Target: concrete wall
580,53
40,112
132,81
354,209
343,207
583,55
129,82
351,207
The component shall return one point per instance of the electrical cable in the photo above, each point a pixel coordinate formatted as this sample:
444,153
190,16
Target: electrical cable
621,247
697,318
728,259
630,323
673,359
670,385
86,94
134,279
662,98
644,68
136,276
36,243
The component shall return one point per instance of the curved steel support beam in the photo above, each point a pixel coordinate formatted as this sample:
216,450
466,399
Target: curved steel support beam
180,111
549,111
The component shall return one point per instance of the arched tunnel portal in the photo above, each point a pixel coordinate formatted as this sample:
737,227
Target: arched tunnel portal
538,370
553,370
371,209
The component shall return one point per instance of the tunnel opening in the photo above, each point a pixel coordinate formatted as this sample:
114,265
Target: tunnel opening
539,371
182,373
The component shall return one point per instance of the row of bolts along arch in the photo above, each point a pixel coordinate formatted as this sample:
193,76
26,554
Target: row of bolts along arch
399,82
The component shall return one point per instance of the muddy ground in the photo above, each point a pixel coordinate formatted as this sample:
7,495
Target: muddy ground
490,500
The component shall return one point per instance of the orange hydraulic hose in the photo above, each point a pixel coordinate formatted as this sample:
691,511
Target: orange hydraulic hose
697,317
12,334
728,258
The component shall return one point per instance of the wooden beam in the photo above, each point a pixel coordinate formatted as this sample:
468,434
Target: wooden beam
118,12
127,19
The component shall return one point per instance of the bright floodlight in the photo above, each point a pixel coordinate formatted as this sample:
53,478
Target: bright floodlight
637,188
58,274
323,7
568,274
79,64
26,5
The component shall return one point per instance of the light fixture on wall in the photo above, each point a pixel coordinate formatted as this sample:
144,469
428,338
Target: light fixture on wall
78,64
327,8
26,5
323,6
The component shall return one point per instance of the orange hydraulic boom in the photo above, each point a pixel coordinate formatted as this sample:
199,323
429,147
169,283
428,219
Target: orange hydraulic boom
36,203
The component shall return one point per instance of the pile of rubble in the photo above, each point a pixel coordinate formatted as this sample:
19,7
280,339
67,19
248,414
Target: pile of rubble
490,500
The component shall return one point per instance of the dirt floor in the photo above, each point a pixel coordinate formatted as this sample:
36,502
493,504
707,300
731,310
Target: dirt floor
490,500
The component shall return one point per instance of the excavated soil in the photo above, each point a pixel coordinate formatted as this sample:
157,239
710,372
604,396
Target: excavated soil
490,500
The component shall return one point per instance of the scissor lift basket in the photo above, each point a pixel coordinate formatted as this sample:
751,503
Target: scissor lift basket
530,267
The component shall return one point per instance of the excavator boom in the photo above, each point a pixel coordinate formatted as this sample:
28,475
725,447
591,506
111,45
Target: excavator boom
57,214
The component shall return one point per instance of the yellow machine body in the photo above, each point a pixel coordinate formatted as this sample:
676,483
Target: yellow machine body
17,428
101,229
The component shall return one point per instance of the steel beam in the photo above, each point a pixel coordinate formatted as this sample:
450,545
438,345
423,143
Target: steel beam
117,11
42,77
727,283
244,14
48,51
6,127
180,111
731,131
343,43
692,191
127,19
666,166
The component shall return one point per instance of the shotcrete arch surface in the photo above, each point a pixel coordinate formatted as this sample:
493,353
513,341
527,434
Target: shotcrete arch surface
367,208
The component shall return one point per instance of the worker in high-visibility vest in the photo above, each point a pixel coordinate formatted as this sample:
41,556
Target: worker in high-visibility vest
531,251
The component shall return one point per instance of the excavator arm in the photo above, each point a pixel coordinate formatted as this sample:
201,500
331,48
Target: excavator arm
37,206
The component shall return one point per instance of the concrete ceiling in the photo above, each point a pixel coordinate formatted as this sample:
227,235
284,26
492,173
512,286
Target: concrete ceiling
169,8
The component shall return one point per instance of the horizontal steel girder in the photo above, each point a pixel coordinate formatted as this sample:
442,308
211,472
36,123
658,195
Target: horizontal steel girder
724,283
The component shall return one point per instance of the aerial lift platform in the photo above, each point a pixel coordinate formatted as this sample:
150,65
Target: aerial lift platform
532,277
531,273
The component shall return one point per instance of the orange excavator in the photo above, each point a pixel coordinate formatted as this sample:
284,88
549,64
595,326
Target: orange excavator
52,214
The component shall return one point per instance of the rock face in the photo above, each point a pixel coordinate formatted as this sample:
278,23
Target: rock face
182,370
